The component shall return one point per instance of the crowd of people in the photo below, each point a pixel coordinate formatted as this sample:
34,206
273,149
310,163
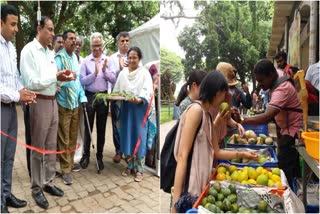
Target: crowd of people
57,89
198,103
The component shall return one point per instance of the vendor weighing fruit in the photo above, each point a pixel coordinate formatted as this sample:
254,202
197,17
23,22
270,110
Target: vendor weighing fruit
285,108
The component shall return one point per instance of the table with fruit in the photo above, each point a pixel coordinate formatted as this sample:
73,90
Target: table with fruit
246,190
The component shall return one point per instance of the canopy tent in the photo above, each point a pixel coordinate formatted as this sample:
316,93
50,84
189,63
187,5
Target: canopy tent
147,38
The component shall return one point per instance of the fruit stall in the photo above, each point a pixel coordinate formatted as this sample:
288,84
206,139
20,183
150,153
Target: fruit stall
248,186
309,152
248,190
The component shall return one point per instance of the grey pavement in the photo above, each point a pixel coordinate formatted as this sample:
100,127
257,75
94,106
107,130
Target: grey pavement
108,192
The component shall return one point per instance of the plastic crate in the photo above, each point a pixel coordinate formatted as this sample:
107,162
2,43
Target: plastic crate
258,129
309,208
251,146
192,211
255,165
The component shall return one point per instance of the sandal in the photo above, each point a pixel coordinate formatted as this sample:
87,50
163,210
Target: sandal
126,172
138,177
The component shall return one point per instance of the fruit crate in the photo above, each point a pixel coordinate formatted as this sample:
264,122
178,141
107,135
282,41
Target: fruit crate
251,146
314,192
258,129
270,152
247,198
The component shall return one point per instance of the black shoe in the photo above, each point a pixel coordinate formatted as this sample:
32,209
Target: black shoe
100,164
84,162
40,199
4,208
53,190
117,158
12,201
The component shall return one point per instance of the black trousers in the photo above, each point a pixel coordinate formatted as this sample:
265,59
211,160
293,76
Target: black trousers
99,109
288,158
115,116
26,116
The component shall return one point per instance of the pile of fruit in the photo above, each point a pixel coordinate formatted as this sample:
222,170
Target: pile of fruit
253,112
261,159
250,175
251,138
221,200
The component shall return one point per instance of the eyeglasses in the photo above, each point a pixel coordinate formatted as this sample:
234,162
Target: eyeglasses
132,58
96,46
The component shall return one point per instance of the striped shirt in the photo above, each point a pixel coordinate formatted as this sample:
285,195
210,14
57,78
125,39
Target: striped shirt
9,82
38,69
64,96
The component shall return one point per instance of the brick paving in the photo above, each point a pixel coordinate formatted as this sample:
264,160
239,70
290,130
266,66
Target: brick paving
90,192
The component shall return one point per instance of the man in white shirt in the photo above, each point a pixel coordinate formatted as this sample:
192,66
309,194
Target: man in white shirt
117,62
313,74
12,91
39,73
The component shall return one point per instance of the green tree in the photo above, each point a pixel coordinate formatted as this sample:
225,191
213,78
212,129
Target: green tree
232,31
171,62
85,17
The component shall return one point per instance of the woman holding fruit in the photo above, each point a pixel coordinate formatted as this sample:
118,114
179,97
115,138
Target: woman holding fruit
136,80
204,148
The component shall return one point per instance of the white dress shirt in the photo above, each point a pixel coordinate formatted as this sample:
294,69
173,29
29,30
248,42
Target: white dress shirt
313,75
38,69
9,82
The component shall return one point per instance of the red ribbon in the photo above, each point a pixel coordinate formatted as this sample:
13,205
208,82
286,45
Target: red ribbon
43,151
142,125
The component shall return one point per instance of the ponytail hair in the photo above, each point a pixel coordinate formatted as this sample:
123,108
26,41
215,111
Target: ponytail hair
196,76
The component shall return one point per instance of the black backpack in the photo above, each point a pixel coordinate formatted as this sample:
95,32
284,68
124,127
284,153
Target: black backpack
169,163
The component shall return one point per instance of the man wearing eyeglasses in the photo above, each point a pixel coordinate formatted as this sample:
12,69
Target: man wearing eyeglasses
117,62
68,105
95,76
39,73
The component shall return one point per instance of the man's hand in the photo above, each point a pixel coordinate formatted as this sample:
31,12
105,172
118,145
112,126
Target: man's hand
104,66
135,100
65,75
122,63
28,97
241,130
74,75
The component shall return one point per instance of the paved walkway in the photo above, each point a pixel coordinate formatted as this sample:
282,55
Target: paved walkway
90,192
165,197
